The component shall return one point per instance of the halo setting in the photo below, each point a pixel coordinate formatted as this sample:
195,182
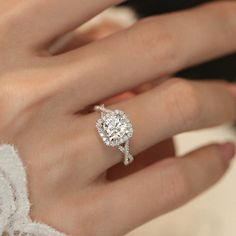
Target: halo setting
115,129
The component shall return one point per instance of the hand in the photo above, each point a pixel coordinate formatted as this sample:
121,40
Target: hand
42,98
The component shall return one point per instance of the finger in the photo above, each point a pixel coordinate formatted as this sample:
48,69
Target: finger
43,21
150,156
165,186
94,30
174,107
151,49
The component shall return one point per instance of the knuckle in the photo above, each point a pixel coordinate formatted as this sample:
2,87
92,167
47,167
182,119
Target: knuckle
218,163
160,49
225,9
180,185
185,103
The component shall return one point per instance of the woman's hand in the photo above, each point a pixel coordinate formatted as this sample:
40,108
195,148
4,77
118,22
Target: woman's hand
43,97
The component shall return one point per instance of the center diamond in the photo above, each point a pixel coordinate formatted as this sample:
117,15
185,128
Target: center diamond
114,128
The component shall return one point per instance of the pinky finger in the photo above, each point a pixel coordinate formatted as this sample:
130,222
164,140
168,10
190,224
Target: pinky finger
165,186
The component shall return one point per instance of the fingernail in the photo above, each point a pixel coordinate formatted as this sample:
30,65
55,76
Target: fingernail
228,151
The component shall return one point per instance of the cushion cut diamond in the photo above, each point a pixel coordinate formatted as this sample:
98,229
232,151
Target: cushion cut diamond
114,128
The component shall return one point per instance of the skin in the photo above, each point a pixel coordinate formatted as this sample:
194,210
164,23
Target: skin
76,183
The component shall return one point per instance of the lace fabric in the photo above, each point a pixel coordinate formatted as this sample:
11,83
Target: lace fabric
14,202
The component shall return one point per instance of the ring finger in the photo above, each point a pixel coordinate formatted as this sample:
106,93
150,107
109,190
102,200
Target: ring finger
174,107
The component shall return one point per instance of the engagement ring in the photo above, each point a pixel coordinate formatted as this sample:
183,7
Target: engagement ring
115,129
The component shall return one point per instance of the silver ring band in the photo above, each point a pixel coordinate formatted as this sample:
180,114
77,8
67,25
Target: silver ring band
116,130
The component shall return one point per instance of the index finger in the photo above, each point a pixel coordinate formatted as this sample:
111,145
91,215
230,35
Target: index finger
43,20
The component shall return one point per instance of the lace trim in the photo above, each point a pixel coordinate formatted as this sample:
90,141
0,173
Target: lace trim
14,202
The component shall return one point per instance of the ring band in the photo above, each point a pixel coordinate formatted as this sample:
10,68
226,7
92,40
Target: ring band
116,130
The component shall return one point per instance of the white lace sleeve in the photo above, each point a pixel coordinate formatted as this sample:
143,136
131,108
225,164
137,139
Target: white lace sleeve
14,202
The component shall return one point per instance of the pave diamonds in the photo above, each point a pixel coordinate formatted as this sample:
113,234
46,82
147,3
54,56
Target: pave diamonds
128,158
114,128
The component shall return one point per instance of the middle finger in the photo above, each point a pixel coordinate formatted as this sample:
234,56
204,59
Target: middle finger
151,49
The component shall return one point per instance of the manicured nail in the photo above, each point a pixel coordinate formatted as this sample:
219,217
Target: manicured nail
228,150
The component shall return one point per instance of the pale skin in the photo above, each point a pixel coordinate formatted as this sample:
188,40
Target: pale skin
70,171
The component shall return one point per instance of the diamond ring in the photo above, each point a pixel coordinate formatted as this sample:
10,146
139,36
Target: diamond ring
115,129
